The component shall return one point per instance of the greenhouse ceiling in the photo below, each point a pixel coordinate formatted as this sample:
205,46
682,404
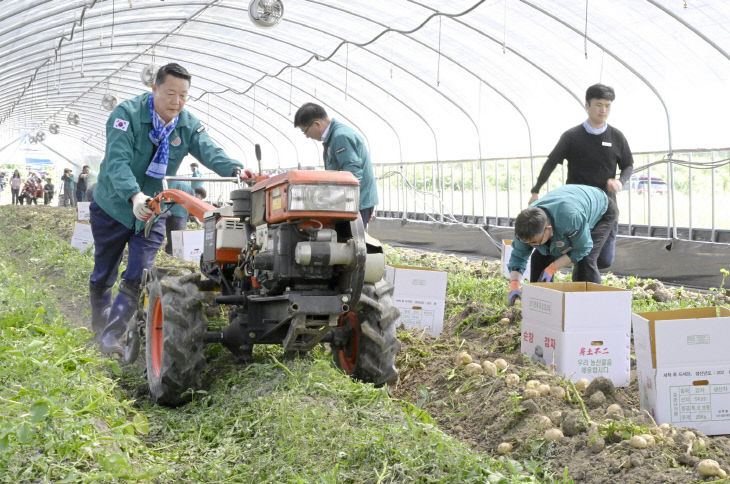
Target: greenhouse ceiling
422,80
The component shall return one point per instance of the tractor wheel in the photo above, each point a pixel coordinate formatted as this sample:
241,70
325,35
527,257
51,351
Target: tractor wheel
371,349
175,333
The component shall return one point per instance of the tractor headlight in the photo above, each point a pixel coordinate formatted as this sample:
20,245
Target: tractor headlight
330,198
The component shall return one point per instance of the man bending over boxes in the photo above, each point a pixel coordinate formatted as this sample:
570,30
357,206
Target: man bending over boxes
567,226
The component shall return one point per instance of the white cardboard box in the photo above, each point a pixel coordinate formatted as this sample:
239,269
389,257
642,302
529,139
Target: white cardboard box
683,367
82,238
506,253
83,210
420,295
187,244
581,329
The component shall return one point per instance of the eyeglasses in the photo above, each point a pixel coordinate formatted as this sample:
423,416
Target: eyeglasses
305,130
541,239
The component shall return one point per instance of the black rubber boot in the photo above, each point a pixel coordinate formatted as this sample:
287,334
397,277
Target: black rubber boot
123,308
101,300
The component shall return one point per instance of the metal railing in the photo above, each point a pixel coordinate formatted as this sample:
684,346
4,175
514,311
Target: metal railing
675,195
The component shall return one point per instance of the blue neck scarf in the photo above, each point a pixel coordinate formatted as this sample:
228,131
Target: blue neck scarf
158,135
591,130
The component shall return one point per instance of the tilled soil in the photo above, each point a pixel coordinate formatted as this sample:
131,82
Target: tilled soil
596,423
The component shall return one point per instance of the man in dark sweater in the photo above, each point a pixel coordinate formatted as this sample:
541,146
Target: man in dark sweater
593,150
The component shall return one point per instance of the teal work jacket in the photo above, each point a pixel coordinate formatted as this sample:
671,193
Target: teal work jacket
129,152
344,150
573,210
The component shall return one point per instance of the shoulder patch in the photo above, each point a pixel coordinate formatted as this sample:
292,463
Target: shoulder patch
341,149
121,124
200,129
570,236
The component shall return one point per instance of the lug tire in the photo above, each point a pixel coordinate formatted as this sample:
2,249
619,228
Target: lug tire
370,355
175,329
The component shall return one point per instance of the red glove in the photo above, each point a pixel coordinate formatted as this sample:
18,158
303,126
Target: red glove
247,175
548,273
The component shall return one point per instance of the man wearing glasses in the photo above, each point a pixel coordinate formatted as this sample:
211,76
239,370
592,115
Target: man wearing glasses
344,150
567,226
147,137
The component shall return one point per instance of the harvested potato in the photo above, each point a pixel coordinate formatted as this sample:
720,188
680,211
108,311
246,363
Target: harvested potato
532,384
553,434
489,368
638,442
473,369
722,474
504,321
557,391
504,448
708,468
463,358
501,364
650,440
615,409
530,394
513,379
544,389
582,384
544,422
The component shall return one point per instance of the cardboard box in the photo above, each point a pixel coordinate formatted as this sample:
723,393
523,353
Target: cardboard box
187,244
683,367
82,238
420,294
506,253
581,329
83,210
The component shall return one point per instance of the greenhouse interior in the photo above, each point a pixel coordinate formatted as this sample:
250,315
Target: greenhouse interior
458,102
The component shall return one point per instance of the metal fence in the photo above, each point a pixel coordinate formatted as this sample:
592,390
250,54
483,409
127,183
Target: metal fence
668,196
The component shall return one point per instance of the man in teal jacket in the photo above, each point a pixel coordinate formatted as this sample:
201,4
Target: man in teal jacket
344,150
147,137
567,226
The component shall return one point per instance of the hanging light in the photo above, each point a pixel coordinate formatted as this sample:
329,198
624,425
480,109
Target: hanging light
73,119
109,101
147,74
53,128
40,136
266,13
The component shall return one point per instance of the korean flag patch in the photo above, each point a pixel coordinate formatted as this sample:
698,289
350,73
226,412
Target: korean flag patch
121,124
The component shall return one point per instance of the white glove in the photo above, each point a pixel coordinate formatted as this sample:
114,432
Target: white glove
140,208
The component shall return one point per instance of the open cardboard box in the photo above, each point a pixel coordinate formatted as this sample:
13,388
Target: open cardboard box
420,295
581,329
683,367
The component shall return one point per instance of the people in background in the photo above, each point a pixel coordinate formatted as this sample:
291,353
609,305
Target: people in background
344,150
196,173
28,193
569,225
15,183
48,191
69,186
82,184
147,137
594,150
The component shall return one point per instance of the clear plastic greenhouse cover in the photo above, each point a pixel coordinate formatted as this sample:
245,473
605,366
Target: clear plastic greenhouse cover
421,80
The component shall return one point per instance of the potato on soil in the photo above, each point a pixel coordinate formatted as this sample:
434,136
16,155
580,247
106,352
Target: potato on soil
708,468
556,391
473,369
582,384
553,434
463,358
530,394
638,442
513,379
532,384
489,368
504,448
544,389
501,364
544,422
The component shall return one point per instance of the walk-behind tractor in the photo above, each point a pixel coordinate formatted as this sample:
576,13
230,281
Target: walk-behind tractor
292,261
